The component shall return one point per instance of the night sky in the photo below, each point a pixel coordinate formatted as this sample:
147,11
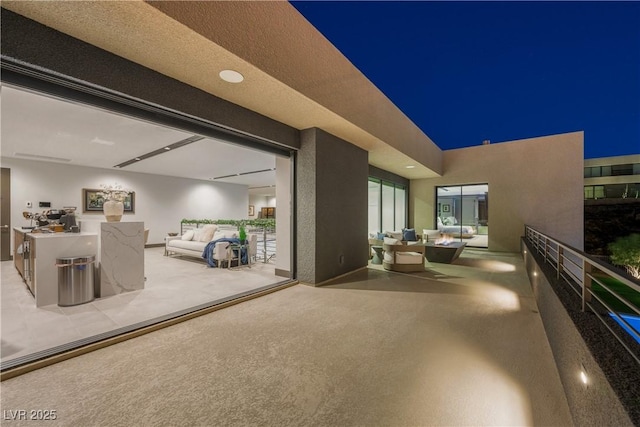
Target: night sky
469,71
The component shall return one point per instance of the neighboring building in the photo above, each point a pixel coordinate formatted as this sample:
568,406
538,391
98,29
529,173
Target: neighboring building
611,200
612,178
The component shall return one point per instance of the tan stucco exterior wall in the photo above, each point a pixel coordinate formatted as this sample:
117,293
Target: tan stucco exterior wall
536,181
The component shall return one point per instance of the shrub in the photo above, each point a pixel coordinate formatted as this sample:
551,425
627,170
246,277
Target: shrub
260,222
625,251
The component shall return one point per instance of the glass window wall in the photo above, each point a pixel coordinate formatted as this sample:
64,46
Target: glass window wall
388,209
374,206
401,208
387,206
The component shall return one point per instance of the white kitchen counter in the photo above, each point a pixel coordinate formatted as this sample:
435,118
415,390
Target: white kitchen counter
44,249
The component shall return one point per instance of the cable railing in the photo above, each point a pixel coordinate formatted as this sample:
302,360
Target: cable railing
266,243
581,272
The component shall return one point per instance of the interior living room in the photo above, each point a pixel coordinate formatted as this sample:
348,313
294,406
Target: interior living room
61,153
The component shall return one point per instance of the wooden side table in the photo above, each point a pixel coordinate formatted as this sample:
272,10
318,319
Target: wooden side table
233,247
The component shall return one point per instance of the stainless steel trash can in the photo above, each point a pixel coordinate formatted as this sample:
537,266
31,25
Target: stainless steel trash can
75,280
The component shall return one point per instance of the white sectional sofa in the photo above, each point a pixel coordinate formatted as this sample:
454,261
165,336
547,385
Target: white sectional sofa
193,242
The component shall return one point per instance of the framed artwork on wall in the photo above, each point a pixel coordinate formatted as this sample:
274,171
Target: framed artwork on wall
446,208
252,210
92,201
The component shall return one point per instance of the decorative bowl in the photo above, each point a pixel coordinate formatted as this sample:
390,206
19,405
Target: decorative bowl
172,234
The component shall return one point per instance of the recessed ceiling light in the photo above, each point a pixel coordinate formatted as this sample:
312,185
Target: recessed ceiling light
410,167
231,76
167,148
138,158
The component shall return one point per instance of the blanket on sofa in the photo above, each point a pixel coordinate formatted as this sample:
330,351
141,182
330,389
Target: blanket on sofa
207,254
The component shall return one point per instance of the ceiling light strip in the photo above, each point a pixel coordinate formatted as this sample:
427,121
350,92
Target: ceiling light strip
162,150
40,157
260,171
244,173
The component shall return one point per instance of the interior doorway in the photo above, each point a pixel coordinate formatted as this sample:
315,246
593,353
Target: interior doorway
5,215
463,213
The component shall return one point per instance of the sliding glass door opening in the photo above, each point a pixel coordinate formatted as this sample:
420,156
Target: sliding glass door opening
462,212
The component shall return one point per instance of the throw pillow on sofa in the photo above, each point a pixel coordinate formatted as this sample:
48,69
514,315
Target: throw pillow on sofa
225,234
188,235
409,235
207,232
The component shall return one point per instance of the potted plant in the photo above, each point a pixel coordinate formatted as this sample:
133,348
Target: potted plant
242,234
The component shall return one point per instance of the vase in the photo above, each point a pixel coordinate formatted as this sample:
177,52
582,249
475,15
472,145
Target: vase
113,210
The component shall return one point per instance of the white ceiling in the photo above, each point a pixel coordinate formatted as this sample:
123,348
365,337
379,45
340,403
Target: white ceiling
42,128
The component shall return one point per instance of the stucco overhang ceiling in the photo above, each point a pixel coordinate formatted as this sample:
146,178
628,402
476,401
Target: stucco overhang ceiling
292,73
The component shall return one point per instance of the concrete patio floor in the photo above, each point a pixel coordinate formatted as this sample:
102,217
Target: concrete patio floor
459,344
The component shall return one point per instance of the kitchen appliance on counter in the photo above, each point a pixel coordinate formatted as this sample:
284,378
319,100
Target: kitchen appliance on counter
52,220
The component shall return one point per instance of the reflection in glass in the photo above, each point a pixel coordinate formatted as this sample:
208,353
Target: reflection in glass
374,206
388,210
387,206
463,213
400,219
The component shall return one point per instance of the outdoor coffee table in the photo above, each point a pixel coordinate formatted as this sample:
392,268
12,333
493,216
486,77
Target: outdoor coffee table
444,254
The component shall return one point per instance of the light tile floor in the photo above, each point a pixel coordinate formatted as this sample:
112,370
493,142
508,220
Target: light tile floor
173,284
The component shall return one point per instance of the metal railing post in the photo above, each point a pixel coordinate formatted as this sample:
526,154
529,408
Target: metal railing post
586,284
264,243
560,255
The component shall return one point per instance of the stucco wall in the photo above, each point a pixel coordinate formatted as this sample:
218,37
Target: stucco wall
535,181
331,189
